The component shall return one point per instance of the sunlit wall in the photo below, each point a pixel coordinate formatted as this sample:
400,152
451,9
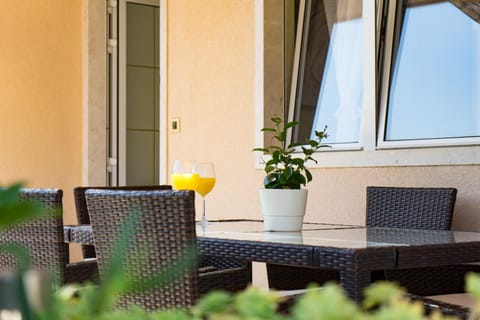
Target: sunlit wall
40,95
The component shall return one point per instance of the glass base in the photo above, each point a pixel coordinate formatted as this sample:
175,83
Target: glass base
204,222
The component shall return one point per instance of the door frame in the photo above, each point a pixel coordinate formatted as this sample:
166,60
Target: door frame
95,171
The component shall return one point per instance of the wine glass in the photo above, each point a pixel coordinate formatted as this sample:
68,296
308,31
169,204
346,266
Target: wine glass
183,177
206,172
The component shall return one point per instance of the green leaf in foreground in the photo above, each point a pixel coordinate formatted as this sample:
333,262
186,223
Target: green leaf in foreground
214,302
255,303
327,302
14,211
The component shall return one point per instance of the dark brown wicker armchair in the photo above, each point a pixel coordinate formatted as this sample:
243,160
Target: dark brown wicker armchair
416,208
394,207
166,229
82,210
44,240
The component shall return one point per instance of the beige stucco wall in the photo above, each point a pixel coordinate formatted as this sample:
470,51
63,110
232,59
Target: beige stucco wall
40,95
211,88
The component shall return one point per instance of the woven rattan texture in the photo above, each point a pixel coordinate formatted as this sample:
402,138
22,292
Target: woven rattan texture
393,207
81,234
166,229
42,237
415,208
410,236
453,279
82,210
275,253
355,259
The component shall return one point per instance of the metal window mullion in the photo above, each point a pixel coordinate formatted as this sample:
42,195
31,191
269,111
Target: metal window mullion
122,89
113,96
297,72
386,71
477,82
368,121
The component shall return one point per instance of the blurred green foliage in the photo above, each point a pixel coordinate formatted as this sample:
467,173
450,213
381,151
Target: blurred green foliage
13,211
383,301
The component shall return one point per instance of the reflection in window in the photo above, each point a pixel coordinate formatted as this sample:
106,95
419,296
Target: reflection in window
329,87
434,84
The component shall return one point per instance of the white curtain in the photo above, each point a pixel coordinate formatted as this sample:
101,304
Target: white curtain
341,91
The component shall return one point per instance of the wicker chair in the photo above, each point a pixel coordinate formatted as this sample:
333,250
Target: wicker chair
81,209
166,229
416,208
44,239
394,207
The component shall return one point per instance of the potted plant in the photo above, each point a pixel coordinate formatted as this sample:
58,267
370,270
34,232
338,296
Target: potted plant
283,200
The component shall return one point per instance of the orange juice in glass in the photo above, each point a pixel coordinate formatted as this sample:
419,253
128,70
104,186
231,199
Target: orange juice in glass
183,177
185,181
206,183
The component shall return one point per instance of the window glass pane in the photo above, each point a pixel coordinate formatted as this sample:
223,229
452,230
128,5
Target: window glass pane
330,84
434,84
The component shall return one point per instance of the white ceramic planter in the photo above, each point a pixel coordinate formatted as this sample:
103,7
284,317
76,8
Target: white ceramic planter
283,209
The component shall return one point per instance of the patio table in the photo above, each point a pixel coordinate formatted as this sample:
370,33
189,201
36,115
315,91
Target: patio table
355,251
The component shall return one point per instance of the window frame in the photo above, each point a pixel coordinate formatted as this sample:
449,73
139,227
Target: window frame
384,94
295,79
368,153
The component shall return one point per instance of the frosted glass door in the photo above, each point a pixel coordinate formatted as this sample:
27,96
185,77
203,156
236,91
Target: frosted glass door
139,83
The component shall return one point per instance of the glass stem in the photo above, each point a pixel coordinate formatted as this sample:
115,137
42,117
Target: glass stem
204,217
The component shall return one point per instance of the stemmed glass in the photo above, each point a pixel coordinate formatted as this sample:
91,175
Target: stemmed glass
206,172
183,177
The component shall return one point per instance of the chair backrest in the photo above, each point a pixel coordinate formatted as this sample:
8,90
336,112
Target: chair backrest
415,208
82,210
166,228
42,237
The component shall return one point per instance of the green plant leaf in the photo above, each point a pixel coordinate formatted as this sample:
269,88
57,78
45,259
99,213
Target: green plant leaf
328,302
276,155
269,179
269,169
473,284
13,210
276,120
313,143
271,163
214,302
382,293
253,303
20,253
308,175
297,161
293,145
307,151
291,124
275,148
